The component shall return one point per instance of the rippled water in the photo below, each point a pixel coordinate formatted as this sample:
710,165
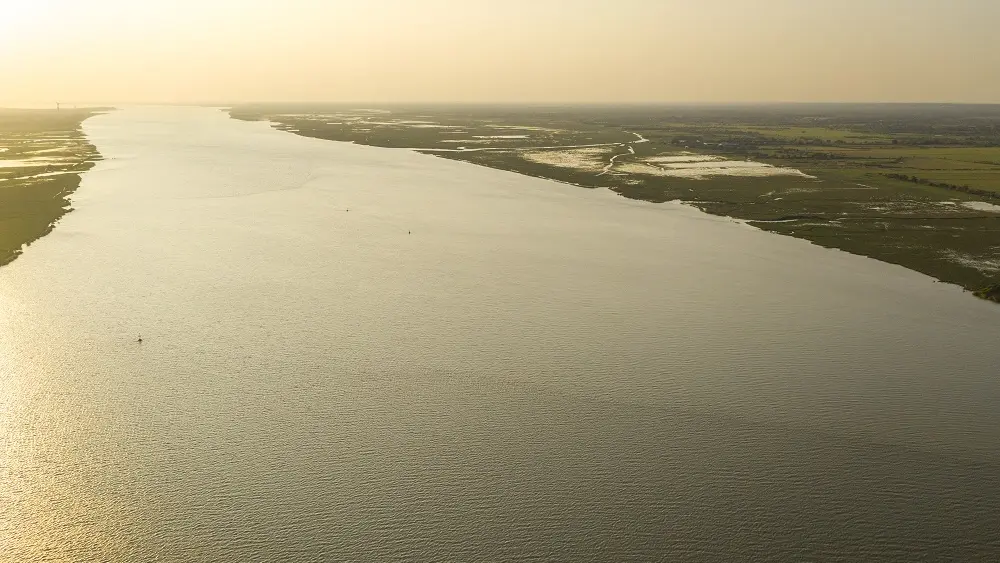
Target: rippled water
353,353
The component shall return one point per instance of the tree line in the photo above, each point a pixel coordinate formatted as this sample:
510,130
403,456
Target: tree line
955,187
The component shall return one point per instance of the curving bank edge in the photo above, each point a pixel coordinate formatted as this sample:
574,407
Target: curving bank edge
42,156
841,195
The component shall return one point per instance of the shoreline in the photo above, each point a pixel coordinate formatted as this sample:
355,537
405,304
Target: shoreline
44,153
987,293
949,243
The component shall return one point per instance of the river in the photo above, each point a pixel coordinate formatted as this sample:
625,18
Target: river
357,353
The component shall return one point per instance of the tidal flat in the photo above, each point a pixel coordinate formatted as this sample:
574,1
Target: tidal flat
42,154
913,185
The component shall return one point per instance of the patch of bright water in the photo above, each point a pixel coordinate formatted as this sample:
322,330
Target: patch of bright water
697,166
30,162
590,159
982,206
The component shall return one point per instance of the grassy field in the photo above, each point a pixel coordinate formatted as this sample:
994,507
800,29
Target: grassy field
42,153
914,185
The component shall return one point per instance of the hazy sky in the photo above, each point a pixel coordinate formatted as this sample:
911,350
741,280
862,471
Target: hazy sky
499,50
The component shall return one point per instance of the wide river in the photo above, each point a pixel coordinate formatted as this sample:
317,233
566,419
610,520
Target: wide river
365,354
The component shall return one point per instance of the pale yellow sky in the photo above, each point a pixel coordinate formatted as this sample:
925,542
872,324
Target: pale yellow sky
618,51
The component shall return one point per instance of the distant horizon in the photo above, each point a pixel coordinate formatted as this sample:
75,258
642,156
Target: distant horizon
516,52
356,103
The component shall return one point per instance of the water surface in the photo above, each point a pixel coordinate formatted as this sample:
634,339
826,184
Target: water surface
355,353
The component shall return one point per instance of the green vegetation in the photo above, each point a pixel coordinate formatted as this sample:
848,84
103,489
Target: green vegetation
992,293
915,185
42,153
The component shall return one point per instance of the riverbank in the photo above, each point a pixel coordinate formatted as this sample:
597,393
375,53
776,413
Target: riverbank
908,185
42,154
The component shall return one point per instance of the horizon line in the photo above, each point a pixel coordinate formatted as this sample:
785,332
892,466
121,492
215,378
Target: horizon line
230,104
